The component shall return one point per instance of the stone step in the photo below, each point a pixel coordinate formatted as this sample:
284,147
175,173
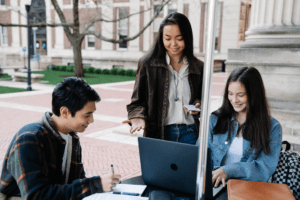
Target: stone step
291,133
290,127
280,114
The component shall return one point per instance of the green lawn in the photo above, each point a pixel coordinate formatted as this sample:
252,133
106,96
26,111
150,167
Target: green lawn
4,90
5,76
54,77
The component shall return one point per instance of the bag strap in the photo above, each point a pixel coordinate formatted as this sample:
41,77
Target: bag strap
285,144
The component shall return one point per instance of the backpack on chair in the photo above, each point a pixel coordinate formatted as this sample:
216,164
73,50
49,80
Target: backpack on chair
288,170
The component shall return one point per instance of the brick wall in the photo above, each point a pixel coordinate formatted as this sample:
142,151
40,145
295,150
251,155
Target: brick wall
5,17
141,38
69,17
66,2
53,29
186,10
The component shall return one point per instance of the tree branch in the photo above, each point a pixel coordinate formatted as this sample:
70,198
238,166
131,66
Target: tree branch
36,25
114,20
133,37
61,17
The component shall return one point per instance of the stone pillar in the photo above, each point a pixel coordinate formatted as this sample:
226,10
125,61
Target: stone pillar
274,24
134,25
59,31
273,47
15,30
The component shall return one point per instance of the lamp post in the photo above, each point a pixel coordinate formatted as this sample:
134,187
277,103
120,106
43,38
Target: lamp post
28,32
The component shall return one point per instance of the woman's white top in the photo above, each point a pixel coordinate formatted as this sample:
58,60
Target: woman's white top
178,83
235,152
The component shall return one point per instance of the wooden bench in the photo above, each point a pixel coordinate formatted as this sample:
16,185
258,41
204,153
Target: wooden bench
18,76
10,68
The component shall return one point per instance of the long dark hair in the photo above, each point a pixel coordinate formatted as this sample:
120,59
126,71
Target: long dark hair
258,123
158,49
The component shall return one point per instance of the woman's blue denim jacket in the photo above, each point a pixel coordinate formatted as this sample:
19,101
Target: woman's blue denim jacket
255,165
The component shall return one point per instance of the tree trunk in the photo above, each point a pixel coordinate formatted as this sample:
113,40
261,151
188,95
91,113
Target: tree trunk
78,67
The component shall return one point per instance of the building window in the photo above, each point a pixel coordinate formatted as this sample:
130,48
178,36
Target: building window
172,8
2,2
90,39
123,26
4,36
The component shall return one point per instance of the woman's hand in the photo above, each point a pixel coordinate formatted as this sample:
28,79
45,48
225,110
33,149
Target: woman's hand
109,180
219,175
197,105
136,124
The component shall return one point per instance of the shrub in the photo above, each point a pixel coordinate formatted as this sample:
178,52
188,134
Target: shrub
98,71
70,68
114,71
63,68
85,69
91,70
129,72
134,73
105,71
58,67
121,72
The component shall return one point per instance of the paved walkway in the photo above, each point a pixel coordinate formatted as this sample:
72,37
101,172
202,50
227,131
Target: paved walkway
107,141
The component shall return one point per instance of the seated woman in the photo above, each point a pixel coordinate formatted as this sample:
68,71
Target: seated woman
245,140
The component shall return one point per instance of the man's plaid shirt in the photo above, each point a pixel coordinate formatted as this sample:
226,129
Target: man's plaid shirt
32,166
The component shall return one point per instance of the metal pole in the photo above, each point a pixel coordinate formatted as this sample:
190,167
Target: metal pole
205,107
28,32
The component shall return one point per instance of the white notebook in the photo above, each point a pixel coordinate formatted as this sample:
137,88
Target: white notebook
109,196
129,188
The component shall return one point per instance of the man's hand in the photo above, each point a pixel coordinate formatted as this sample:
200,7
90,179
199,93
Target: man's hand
136,124
219,175
109,180
197,105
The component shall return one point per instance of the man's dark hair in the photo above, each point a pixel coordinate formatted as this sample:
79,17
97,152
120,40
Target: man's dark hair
73,93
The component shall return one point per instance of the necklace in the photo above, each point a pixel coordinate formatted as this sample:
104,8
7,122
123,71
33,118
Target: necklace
176,84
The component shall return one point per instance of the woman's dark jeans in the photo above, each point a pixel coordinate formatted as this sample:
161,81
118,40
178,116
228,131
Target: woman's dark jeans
181,133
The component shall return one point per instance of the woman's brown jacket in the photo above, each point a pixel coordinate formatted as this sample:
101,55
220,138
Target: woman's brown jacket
150,94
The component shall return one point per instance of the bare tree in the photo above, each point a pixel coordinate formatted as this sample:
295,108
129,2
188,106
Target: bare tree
76,34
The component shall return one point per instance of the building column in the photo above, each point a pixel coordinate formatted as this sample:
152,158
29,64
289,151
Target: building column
134,25
274,24
59,31
15,30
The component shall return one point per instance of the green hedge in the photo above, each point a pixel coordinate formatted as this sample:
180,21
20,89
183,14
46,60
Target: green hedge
92,70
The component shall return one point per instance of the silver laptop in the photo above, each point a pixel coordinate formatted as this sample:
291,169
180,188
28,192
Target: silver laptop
173,166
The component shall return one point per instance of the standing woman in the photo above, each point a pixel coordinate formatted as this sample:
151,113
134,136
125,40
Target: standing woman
169,76
245,140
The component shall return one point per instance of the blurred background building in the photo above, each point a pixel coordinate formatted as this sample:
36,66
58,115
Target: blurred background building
53,46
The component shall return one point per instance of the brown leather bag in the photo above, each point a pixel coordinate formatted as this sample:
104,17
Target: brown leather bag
251,190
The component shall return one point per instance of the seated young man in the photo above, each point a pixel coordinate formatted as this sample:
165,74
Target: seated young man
44,158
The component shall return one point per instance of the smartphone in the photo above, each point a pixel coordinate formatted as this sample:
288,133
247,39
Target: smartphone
192,108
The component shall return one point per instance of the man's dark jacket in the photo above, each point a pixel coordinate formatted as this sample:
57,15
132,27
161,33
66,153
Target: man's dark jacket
150,94
33,165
